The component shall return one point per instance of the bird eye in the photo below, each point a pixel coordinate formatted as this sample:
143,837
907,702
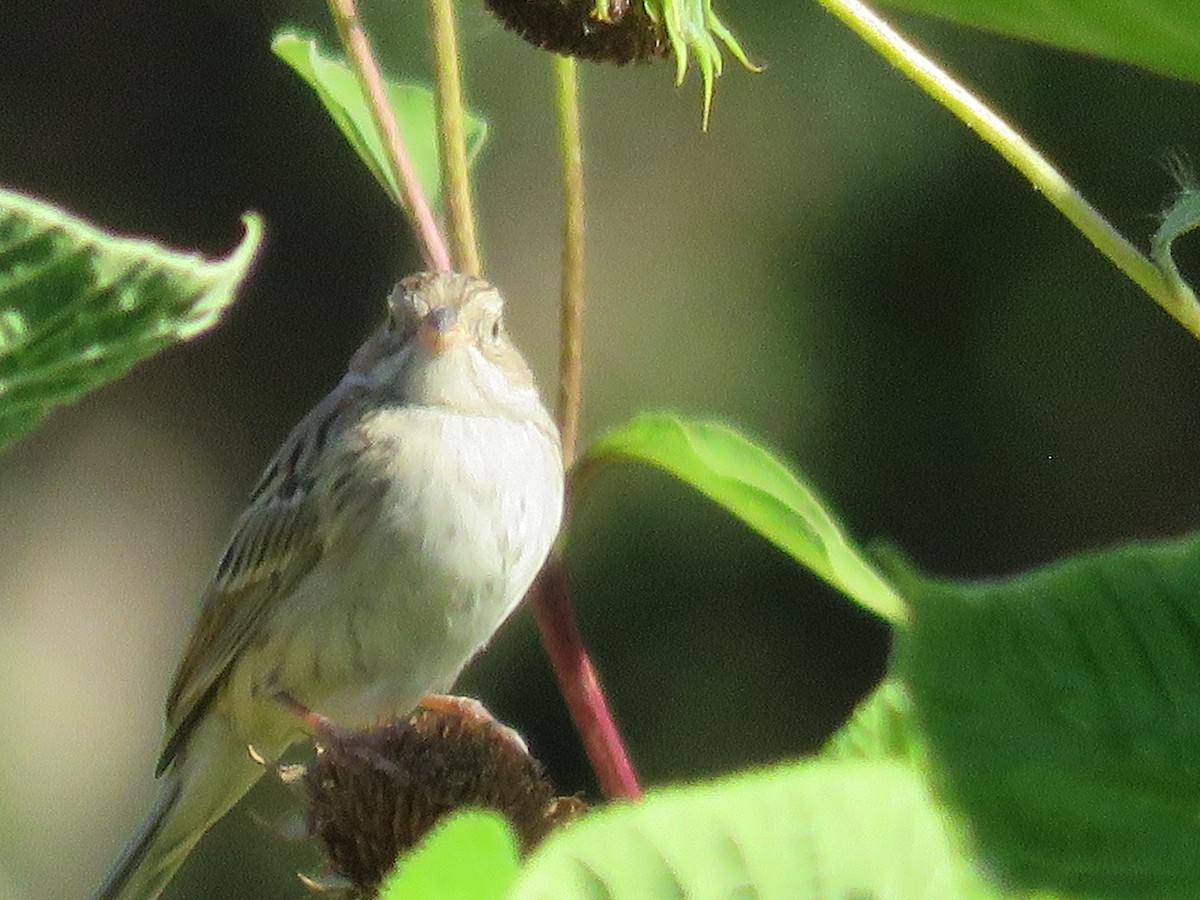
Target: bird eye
399,319
407,306
496,329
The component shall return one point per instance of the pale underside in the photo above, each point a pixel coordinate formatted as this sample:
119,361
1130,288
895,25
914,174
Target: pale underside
408,580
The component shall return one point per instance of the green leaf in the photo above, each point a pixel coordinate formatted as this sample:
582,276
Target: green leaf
1061,714
79,306
470,856
1160,35
334,82
819,830
883,726
753,485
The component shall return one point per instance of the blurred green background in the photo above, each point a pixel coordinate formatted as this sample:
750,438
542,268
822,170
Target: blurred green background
838,267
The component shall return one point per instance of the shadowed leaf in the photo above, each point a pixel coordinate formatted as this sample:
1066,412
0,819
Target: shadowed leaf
883,726
1160,35
336,86
1061,713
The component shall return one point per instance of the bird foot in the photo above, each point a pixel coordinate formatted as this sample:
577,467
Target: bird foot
472,710
322,728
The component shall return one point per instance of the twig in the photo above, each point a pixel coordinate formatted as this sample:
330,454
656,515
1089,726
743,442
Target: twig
452,138
370,80
1022,155
550,594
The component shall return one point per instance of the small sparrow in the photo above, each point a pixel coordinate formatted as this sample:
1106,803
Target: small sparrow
397,527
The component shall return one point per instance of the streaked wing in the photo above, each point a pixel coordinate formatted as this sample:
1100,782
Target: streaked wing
275,544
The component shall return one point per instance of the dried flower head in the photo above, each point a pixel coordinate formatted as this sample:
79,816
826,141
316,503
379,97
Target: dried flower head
373,794
622,31
571,27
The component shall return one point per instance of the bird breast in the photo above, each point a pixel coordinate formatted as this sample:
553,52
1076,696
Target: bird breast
439,524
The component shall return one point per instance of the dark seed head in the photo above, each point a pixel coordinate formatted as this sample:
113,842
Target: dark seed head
568,27
373,794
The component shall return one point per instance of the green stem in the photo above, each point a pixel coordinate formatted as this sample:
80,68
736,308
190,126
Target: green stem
1176,298
550,595
452,136
370,79
570,151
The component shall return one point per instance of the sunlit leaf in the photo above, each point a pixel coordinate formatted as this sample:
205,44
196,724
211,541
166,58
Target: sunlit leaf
819,831
79,306
471,856
756,487
335,84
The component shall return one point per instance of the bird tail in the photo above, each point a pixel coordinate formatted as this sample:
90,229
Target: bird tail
200,787
135,856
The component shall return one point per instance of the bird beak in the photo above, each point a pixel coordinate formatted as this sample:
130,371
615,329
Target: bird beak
440,331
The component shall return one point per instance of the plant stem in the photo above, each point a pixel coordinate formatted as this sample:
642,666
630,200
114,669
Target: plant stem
412,198
1177,300
579,683
452,138
550,595
570,151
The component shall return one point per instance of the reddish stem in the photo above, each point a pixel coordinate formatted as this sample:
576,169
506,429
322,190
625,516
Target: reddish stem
579,683
370,78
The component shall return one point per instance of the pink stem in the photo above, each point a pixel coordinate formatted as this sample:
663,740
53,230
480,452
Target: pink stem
579,683
370,79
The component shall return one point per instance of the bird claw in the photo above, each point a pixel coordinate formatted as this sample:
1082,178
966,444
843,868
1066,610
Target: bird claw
327,884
